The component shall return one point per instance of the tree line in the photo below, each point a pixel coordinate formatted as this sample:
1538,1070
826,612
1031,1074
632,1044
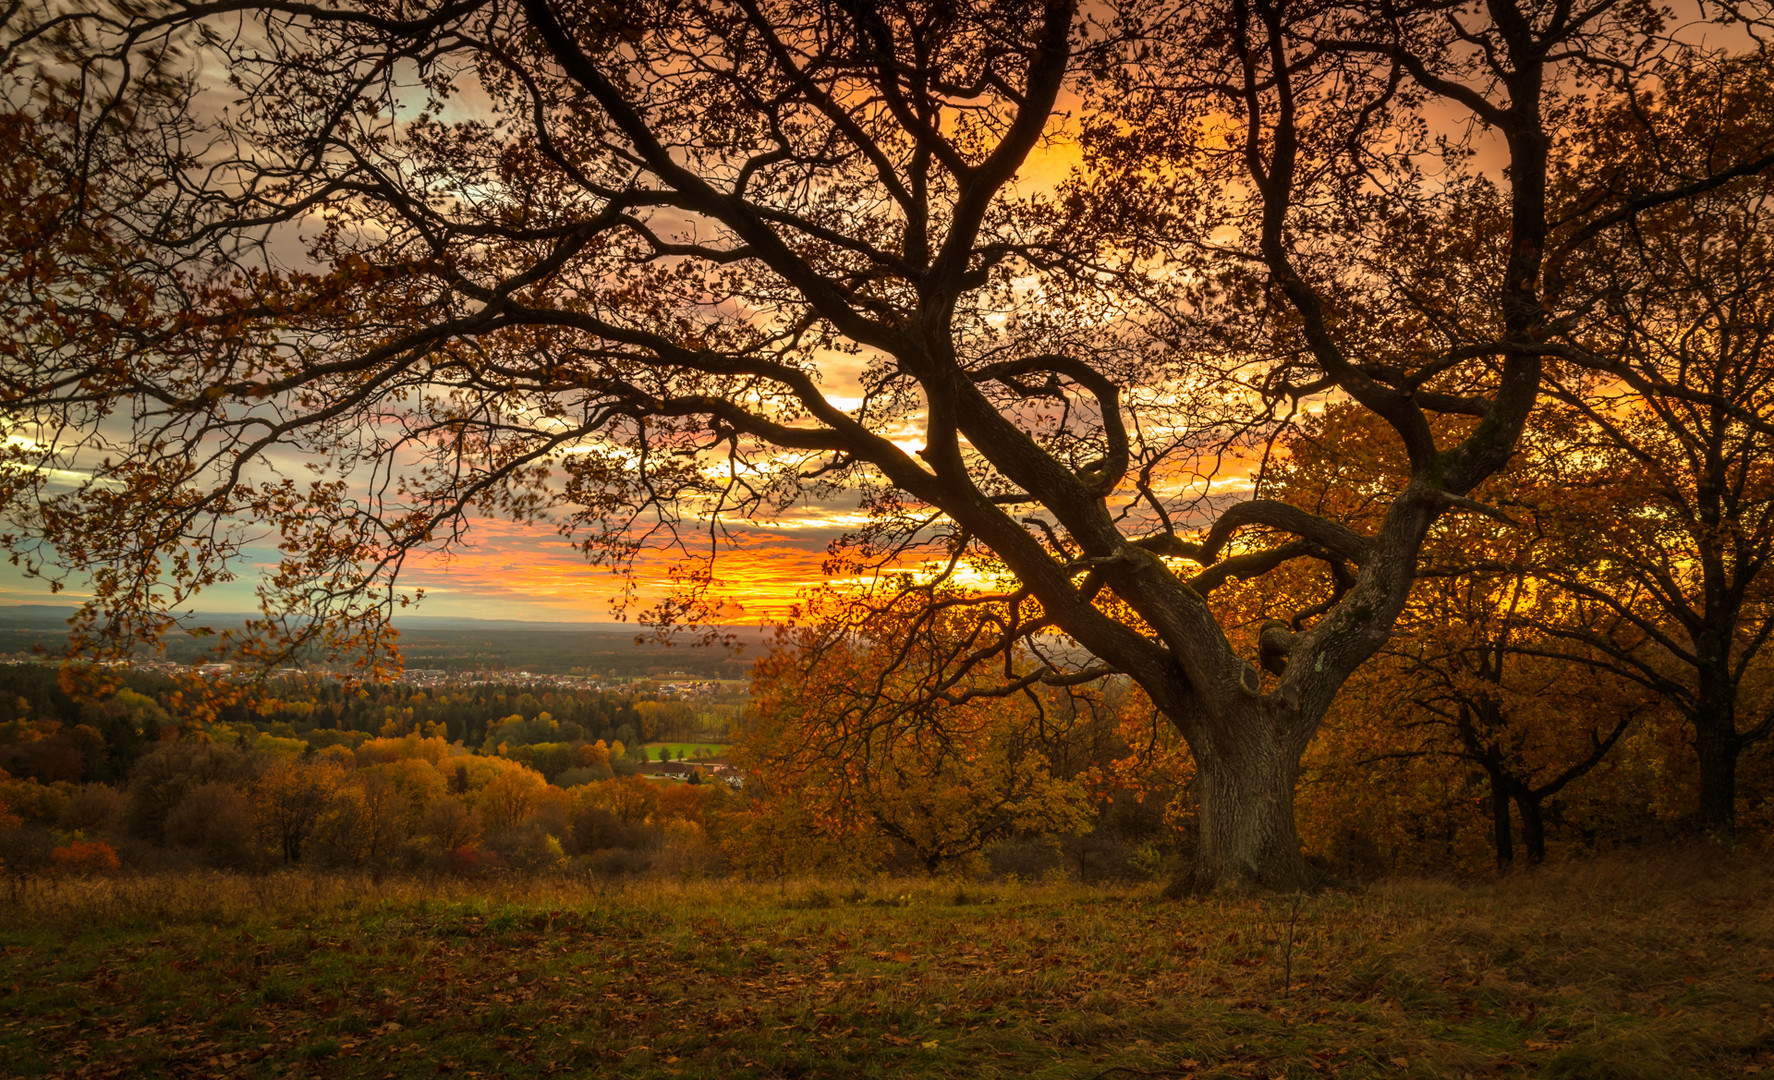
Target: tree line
318,773
41,722
1493,730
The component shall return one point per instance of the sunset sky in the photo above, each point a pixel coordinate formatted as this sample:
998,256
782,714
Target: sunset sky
530,572
527,572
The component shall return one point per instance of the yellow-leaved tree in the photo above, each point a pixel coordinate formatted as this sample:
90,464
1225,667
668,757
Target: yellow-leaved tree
1495,694
859,750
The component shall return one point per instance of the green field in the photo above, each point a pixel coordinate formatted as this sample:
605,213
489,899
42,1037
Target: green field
1615,970
691,750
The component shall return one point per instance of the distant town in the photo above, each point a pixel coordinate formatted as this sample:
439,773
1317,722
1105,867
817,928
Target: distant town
454,653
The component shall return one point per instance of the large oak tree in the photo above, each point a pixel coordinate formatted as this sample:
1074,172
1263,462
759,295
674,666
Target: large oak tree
1483,667
584,262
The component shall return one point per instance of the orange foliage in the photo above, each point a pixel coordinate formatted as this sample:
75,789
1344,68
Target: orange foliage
684,802
432,748
1158,766
843,741
84,857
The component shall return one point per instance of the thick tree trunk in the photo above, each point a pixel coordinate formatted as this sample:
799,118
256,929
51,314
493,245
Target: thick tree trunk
1533,826
1247,740
1246,835
1717,744
1716,812
1503,833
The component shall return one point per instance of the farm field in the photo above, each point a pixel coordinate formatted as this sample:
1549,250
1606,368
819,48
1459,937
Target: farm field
690,751
1662,967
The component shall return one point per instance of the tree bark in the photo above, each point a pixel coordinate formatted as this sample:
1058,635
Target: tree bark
1717,744
1503,833
1718,747
1246,835
1533,825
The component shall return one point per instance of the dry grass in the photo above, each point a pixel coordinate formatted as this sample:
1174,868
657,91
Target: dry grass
1658,966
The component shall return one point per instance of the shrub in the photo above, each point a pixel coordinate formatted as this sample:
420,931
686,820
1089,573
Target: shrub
24,849
689,853
528,847
620,862
470,862
84,857
449,823
584,774
91,809
598,829
216,821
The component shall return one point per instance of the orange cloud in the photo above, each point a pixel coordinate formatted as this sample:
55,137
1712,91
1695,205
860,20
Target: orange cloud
760,571
516,571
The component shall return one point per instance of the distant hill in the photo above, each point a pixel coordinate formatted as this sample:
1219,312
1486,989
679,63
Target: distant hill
35,617
455,643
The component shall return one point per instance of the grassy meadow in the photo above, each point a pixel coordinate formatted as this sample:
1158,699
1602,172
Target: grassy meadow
1659,967
687,751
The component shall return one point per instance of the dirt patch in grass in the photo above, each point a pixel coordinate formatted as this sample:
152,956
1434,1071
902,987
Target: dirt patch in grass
1654,968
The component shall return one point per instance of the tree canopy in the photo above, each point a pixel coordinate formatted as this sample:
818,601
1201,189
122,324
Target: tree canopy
359,272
